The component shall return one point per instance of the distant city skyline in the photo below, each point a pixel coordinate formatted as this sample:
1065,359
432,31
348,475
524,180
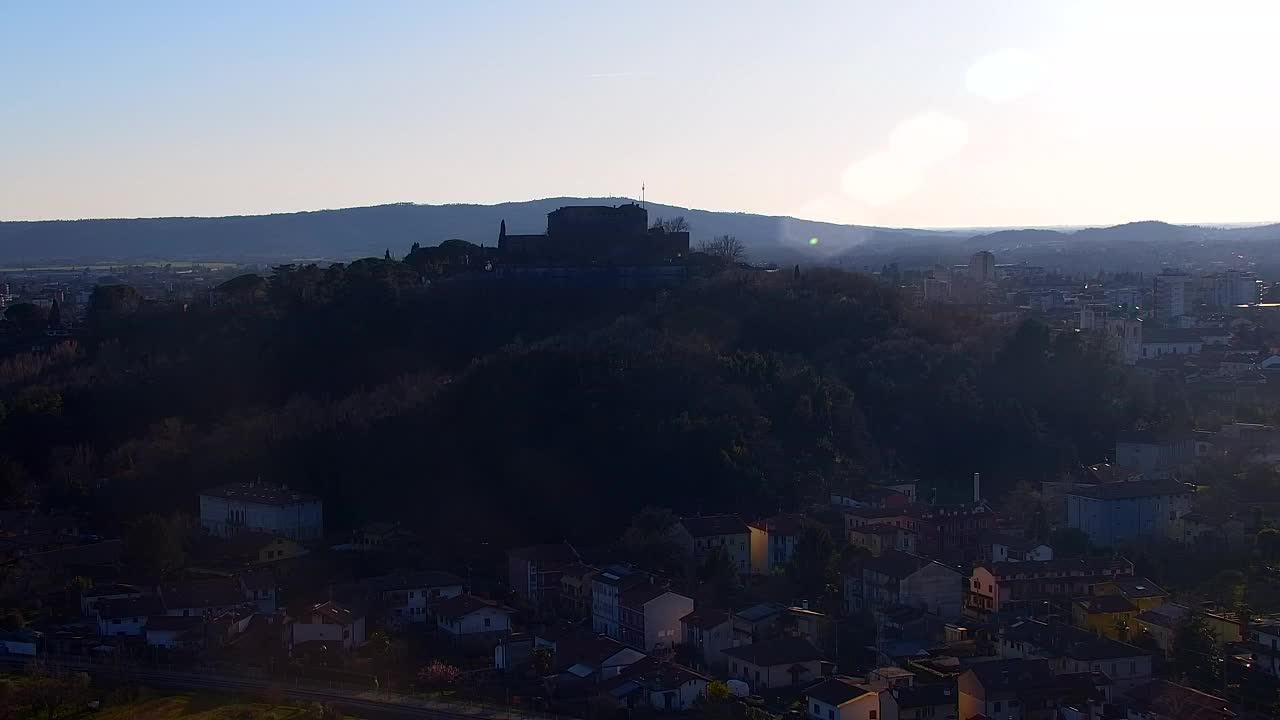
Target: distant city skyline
912,114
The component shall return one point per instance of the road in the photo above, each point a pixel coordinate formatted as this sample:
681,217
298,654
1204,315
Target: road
364,703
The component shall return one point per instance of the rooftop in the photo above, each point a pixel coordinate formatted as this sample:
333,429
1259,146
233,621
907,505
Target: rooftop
1133,490
836,692
712,525
1139,587
463,605
706,618
1106,604
211,592
262,493
412,580
778,651
926,695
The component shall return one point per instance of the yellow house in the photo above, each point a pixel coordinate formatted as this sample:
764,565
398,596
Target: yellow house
257,548
1144,594
1108,615
1161,624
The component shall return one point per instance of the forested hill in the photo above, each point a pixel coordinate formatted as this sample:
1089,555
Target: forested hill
532,414
358,232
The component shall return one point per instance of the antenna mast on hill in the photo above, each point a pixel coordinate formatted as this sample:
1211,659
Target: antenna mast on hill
641,193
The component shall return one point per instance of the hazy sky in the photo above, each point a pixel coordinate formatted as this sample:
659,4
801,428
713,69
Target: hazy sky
893,112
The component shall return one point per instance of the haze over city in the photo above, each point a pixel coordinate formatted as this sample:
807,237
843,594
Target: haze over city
906,114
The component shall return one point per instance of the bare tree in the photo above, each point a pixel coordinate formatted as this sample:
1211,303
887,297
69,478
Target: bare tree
675,224
725,248
48,689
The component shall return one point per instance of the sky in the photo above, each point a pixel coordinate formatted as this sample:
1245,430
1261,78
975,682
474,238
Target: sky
905,113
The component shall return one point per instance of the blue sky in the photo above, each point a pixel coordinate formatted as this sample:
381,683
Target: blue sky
911,113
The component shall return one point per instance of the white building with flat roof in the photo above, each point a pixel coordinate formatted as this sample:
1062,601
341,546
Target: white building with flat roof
230,509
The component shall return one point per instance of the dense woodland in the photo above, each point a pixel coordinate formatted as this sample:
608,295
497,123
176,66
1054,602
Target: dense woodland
479,411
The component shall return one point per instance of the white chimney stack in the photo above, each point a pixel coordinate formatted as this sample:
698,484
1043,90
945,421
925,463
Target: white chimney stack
977,493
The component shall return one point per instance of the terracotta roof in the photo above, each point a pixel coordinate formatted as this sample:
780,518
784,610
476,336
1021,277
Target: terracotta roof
333,611
706,618
261,493
1172,700
711,525
1060,639
926,695
1090,566
786,524
778,651
1139,587
836,692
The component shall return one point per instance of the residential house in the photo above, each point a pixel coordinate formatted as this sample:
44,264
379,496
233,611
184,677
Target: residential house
1157,342
705,534
998,547
782,532
952,532
1110,616
606,591
534,572
775,663
757,622
1263,642
256,548
660,686
90,599
708,632
927,701
1024,689
758,549
1163,700
1147,451
1114,512
175,632
898,578
813,626
202,598
843,699
127,617
1161,624
1021,586
230,509
326,623
260,589
649,617
878,538
406,598
1074,650
467,617
575,590
1144,594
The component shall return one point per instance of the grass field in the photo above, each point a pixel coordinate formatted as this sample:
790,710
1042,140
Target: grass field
200,706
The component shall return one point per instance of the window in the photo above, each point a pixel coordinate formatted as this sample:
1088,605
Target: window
871,715
1133,667
831,715
816,711
997,707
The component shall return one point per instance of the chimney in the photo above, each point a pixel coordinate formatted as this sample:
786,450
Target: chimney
977,493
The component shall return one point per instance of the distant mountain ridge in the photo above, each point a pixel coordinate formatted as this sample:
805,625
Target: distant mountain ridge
342,234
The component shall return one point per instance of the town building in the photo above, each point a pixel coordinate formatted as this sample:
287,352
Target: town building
662,687
1109,616
534,572
1070,649
575,590
1027,689
982,267
896,578
328,624
1263,643
843,699
782,532
407,598
770,664
202,598
708,632
1158,342
927,701
606,594
229,509
710,533
649,617
1115,512
1174,293
1147,452
260,589
176,632
126,617
1010,587
473,619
